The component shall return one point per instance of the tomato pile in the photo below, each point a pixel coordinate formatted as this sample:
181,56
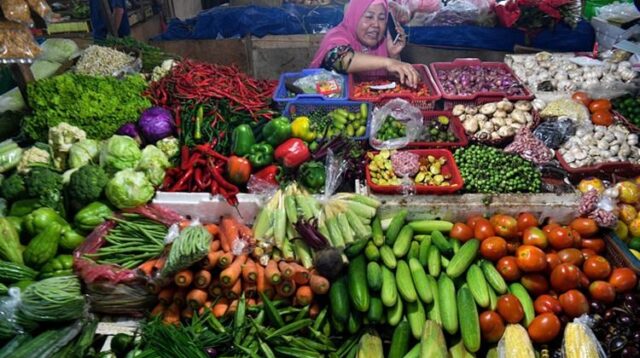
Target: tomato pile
561,267
362,89
600,109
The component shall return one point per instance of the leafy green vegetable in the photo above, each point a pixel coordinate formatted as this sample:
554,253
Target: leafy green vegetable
57,50
45,185
153,163
13,187
98,105
87,183
119,152
83,152
128,189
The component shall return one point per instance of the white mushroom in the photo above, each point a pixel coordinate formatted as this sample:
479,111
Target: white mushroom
632,139
470,126
480,117
538,104
518,116
523,106
500,114
506,132
569,157
488,108
603,144
499,121
508,121
528,117
495,135
458,110
487,126
504,105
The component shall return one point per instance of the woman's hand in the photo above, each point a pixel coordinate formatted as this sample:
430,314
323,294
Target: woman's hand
405,71
394,49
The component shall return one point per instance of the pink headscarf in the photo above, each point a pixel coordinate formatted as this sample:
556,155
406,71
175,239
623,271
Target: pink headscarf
345,34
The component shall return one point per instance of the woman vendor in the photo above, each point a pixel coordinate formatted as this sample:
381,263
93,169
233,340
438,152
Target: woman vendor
361,44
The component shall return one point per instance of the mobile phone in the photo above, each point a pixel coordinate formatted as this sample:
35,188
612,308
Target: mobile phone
391,26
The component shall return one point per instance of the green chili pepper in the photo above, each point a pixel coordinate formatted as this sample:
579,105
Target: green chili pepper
261,155
199,117
277,131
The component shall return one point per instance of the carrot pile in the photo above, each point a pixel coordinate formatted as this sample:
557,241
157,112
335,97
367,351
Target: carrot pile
218,281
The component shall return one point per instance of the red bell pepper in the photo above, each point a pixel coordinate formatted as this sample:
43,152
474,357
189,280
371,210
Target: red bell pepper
292,153
268,174
238,169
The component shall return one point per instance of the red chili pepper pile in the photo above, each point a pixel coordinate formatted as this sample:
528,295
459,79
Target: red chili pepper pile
201,170
192,81
362,89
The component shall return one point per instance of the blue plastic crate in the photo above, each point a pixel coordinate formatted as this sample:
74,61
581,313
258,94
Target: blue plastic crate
304,107
280,94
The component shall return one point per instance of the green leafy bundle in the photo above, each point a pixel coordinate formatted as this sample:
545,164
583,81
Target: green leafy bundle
98,105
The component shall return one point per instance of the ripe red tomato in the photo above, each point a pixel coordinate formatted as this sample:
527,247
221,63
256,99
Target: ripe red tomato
565,277
574,303
526,220
483,229
510,308
584,280
461,232
602,118
597,245
535,283
491,325
602,291
597,268
508,268
577,239
493,248
582,97
600,105
512,247
504,225
588,253
584,226
553,260
550,226
472,220
571,256
544,328
623,279
531,258
547,303
560,238
534,236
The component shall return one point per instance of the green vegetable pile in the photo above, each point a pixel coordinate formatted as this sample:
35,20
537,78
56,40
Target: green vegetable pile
98,105
490,170
391,129
151,56
629,107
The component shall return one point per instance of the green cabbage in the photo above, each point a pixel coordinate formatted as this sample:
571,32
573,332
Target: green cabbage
58,50
119,152
83,152
129,189
153,163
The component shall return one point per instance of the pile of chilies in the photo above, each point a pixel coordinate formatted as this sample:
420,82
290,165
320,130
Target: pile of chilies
201,170
192,81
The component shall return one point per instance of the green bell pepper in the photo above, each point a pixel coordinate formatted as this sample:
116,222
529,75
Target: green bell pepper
313,175
92,215
40,219
242,140
277,131
261,155
23,207
61,265
70,239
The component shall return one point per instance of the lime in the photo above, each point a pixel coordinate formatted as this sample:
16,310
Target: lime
635,243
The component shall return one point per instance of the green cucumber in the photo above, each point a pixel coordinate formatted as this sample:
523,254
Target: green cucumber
374,276
420,281
448,307
518,290
387,256
395,313
478,286
403,242
429,226
371,252
434,265
423,253
441,242
400,340
494,278
414,250
355,322
434,307
389,293
416,316
355,248
395,226
339,299
469,322
376,232
357,276
376,311
405,283
463,259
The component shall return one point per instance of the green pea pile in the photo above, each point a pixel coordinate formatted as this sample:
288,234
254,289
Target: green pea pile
490,170
391,129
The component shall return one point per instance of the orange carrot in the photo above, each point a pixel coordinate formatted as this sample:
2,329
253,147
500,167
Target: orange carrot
286,288
314,310
157,310
235,291
196,298
251,302
249,271
301,275
155,284
213,229
228,232
147,267
212,259
262,284
187,313
245,232
172,315
202,279
179,297
319,285
304,295
233,306
183,278
214,287
159,264
220,308
286,269
225,260
272,273
166,296
183,224
230,275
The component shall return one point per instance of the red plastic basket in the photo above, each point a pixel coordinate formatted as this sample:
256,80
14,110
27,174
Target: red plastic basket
454,125
451,100
424,103
618,253
449,168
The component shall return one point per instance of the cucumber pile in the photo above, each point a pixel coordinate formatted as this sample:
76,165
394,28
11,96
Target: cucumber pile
411,275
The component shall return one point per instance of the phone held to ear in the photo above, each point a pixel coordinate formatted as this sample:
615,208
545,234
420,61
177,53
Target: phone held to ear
391,27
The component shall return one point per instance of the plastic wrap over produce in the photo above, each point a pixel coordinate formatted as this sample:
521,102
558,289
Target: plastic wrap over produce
401,112
456,12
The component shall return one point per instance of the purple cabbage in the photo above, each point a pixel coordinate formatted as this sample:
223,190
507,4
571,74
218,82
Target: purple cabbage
156,123
130,130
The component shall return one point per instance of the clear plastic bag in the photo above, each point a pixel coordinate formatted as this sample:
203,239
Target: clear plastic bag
621,12
566,107
17,11
462,12
8,309
403,112
326,83
334,167
554,133
579,340
42,8
16,43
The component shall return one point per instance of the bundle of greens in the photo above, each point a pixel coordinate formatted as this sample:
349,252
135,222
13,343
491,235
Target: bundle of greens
98,105
151,56
53,299
191,246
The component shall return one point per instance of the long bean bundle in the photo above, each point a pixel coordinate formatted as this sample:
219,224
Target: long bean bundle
133,241
190,246
52,300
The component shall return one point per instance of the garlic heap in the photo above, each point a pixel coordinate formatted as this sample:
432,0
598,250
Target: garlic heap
594,144
494,121
564,75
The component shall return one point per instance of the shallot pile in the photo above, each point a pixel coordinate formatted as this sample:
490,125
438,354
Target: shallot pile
469,80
